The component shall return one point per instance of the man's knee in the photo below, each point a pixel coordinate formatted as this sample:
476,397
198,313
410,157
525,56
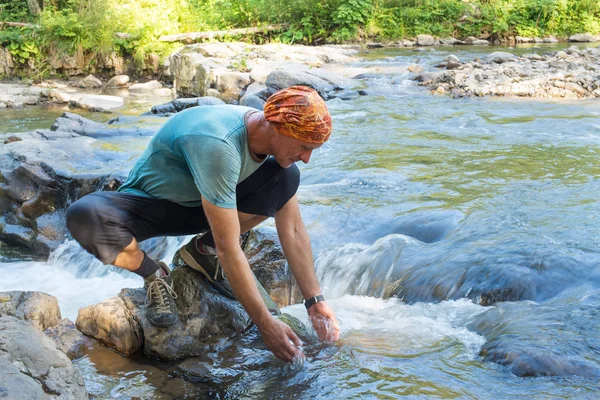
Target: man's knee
79,218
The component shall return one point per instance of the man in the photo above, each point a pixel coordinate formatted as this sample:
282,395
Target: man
208,170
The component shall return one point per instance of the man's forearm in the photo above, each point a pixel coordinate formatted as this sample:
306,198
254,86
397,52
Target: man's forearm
298,252
242,282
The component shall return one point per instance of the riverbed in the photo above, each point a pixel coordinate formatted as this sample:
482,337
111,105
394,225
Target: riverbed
456,239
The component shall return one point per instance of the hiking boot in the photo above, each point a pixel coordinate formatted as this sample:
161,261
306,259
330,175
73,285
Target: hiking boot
161,309
208,265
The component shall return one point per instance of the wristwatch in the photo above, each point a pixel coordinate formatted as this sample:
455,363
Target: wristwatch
308,303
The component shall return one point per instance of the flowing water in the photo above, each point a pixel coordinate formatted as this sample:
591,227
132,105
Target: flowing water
456,239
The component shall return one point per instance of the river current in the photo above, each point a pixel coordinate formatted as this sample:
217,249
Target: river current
458,240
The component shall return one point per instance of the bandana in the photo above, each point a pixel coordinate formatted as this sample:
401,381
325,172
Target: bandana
300,113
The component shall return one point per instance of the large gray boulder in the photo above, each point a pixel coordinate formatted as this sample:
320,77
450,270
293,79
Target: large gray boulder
192,72
177,105
40,309
425,40
500,57
583,38
208,322
31,367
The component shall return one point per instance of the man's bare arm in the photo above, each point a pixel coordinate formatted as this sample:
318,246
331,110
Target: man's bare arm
225,228
296,247
298,252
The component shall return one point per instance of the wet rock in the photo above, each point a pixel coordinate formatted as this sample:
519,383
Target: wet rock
347,95
278,80
118,81
583,37
374,46
529,339
473,41
70,122
208,322
252,101
269,265
40,309
550,39
230,83
12,139
37,179
95,102
145,87
416,69
68,339
111,323
449,41
523,39
59,97
178,105
31,364
90,82
425,40
500,57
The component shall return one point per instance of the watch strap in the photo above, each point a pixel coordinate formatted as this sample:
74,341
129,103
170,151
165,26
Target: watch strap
313,300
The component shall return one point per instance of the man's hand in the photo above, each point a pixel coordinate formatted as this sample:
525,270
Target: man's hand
324,321
277,336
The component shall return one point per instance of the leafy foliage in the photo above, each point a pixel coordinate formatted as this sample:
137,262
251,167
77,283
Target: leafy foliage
91,26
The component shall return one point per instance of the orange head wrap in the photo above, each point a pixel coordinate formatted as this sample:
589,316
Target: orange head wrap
299,112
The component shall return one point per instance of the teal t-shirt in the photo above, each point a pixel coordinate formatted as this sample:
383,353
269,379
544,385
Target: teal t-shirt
201,152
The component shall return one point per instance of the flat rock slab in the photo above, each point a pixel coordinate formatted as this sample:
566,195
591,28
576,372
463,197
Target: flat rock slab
40,365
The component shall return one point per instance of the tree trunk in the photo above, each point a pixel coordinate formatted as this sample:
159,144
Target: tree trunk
35,7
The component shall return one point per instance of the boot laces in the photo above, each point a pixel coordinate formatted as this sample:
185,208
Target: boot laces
158,292
219,271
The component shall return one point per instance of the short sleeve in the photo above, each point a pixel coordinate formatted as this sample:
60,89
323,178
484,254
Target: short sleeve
215,167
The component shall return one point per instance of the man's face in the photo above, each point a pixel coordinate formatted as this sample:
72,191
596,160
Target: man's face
289,150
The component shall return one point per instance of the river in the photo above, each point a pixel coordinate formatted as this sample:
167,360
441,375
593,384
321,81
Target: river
457,240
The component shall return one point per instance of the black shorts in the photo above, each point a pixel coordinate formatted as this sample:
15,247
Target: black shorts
104,223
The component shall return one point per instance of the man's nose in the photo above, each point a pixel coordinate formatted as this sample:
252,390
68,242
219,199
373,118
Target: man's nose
305,156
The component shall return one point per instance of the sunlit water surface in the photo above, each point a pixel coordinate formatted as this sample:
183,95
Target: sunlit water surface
443,230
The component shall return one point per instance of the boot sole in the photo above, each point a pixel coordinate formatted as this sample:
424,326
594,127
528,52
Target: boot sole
189,260
161,325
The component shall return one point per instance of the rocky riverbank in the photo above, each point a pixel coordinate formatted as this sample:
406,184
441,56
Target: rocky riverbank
571,73
210,341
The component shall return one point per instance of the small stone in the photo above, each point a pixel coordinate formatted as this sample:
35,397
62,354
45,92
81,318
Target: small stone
550,39
148,86
118,81
561,55
558,64
90,82
453,65
452,57
576,88
12,139
559,84
416,69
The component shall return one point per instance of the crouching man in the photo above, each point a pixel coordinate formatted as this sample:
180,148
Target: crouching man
220,170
